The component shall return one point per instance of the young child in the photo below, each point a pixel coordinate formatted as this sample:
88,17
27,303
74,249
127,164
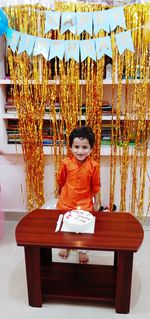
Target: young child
79,178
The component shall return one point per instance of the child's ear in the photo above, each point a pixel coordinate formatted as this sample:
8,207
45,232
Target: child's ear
90,151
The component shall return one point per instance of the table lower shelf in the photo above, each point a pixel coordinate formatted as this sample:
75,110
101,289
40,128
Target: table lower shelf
73,282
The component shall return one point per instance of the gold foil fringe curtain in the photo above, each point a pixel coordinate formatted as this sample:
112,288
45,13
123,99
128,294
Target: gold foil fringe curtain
39,84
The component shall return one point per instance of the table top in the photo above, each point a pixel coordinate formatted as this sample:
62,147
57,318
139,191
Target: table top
114,231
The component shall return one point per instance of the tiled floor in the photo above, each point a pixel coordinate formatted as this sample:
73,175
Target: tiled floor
13,290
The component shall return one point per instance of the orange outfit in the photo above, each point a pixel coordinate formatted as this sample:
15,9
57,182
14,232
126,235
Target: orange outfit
78,182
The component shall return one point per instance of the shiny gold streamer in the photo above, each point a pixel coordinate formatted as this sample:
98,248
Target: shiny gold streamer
35,86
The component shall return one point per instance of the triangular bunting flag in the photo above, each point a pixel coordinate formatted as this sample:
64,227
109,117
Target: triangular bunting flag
103,46
57,49
68,22
13,37
52,21
42,46
87,49
26,43
84,22
117,18
101,21
124,41
72,50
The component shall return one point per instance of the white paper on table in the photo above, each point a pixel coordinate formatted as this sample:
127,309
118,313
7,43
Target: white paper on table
89,230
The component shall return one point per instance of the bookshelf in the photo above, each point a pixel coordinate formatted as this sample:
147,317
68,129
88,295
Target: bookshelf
10,141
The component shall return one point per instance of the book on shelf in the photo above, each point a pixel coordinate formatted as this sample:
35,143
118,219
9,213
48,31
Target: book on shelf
83,108
49,109
51,142
9,108
13,134
14,141
106,107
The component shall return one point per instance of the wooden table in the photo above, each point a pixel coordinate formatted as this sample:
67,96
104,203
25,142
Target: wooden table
47,280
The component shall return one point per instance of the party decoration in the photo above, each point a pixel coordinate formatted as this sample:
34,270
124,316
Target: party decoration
103,46
72,50
101,21
3,22
78,99
68,22
124,41
57,49
77,22
146,31
52,21
92,48
26,43
13,37
84,22
87,49
117,18
42,46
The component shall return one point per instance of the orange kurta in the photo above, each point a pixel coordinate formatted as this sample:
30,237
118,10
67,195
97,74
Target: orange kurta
78,181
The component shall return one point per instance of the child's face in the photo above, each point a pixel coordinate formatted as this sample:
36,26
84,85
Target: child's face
81,148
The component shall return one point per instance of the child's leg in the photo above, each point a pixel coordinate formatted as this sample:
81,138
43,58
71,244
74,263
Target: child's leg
64,253
83,257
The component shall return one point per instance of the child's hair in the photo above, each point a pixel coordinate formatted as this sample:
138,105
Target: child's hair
82,132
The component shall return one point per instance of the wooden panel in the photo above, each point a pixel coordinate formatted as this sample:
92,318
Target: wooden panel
124,277
113,232
118,232
73,282
32,259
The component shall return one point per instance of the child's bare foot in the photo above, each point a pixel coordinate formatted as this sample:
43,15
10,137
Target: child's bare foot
83,258
64,253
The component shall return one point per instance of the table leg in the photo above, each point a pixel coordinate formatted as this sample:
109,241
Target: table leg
32,259
124,278
115,260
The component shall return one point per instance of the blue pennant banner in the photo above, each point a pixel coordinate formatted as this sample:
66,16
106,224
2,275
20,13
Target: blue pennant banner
87,49
101,21
84,22
77,22
42,46
26,43
52,21
57,49
75,49
72,50
68,22
124,41
13,37
117,18
103,46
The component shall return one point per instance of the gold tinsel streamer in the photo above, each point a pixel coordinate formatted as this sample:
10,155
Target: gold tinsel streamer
81,84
